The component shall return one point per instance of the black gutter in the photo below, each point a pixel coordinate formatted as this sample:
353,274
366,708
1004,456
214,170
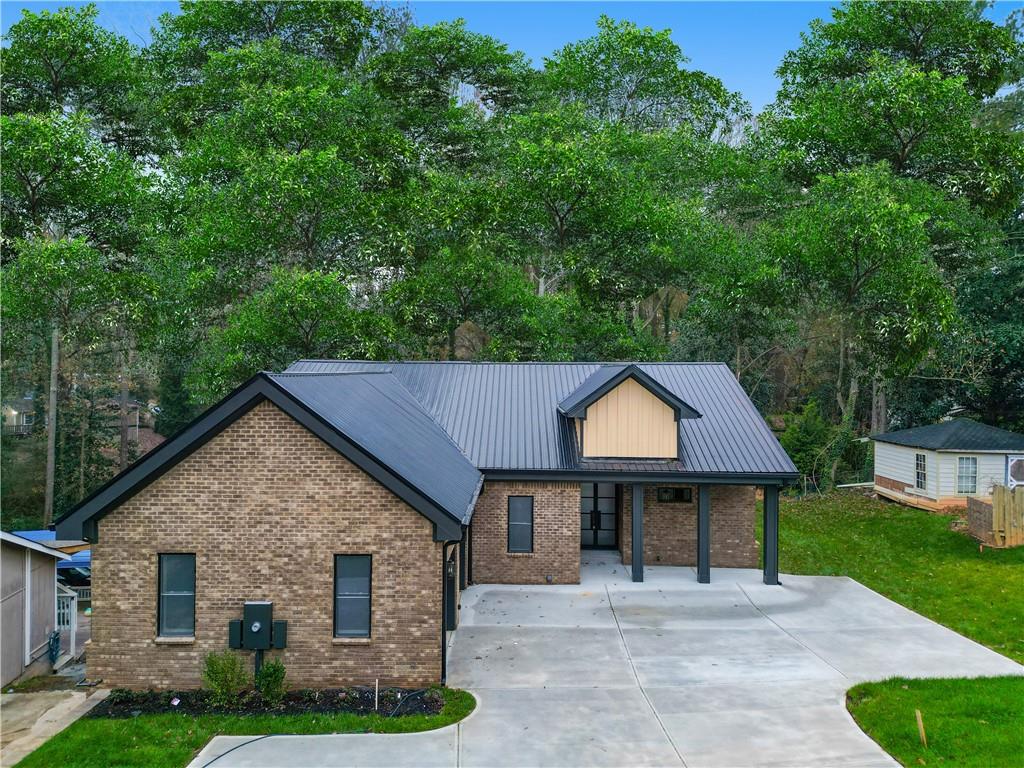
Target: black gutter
586,476
444,609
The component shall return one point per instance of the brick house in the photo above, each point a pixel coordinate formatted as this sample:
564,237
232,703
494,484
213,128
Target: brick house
359,498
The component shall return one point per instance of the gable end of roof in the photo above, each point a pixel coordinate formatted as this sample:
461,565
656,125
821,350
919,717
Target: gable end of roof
608,377
81,521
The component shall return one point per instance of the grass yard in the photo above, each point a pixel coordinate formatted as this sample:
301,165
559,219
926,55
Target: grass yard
172,740
912,557
967,722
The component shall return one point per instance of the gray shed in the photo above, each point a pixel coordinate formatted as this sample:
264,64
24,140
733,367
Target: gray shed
29,603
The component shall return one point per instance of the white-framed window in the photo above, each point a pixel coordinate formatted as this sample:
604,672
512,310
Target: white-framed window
967,474
920,471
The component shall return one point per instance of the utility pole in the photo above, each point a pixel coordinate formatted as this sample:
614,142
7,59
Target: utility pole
51,428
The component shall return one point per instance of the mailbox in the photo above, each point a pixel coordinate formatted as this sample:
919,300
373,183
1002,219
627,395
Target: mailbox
257,622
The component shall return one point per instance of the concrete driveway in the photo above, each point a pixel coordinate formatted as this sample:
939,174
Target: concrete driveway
665,673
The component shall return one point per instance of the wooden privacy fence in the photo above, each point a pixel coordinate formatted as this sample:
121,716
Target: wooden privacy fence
1001,523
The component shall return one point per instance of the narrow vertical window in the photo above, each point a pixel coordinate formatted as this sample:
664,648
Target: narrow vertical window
920,471
520,523
176,609
352,577
967,474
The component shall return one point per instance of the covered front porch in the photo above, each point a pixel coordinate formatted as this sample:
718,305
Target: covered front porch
662,523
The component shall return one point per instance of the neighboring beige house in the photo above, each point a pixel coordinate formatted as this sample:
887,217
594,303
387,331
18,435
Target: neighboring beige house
18,416
360,498
941,465
29,600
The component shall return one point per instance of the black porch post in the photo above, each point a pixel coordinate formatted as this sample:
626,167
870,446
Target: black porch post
638,532
771,534
704,534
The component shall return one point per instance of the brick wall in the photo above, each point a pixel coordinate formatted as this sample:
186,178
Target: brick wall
556,535
265,506
887,482
670,528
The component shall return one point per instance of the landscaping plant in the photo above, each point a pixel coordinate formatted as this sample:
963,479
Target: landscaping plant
224,676
270,681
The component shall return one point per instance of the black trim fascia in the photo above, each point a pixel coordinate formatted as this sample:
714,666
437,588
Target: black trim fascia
585,476
681,409
446,527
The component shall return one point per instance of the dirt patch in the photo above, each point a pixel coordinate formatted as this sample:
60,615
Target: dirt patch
392,702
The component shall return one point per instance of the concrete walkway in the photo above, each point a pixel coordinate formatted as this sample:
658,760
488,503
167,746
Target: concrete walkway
665,673
29,719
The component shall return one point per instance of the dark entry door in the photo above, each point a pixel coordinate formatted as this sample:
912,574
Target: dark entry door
599,515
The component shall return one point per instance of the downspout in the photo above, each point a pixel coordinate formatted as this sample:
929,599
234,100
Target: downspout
444,608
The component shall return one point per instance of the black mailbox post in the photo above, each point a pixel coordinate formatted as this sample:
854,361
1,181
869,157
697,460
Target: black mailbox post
257,631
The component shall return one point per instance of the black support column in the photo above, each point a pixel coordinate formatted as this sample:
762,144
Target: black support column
704,534
771,534
638,532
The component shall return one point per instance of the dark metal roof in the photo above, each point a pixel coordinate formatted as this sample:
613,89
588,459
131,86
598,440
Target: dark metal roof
384,419
505,417
606,378
356,437
955,435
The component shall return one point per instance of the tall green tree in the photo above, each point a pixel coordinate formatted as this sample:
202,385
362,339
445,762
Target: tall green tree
637,77
860,249
300,314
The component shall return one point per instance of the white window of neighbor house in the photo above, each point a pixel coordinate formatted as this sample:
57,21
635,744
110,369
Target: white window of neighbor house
967,474
920,471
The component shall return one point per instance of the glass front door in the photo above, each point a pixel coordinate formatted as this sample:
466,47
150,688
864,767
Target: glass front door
599,515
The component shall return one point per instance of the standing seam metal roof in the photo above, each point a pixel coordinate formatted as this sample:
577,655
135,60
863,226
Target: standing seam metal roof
504,416
380,415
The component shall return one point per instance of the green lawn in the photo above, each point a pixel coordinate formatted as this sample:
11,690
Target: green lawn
171,741
912,557
967,722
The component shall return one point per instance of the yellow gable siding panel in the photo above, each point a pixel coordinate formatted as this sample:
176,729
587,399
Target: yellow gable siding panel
630,422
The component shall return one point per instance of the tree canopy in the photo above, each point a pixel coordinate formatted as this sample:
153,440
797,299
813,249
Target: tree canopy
266,181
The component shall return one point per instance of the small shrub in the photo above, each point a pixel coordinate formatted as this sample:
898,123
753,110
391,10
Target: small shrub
224,676
806,436
270,682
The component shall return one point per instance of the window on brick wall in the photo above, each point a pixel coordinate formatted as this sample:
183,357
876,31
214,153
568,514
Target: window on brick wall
520,523
352,584
176,607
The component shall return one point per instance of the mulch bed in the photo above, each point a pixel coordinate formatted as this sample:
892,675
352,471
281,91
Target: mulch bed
393,702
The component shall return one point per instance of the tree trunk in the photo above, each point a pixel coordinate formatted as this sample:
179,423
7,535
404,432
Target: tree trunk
879,407
123,452
82,440
51,428
848,409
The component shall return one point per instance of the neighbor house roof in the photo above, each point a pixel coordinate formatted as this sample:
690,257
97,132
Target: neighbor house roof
35,546
78,557
506,417
956,435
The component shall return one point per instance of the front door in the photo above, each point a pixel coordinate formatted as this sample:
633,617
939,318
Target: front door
599,515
